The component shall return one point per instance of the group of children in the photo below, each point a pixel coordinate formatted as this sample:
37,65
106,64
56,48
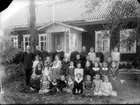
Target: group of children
88,77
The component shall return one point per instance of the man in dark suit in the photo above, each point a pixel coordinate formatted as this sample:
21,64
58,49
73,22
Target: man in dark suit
37,51
27,59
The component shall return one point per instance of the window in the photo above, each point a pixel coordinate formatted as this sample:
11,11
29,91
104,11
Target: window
102,41
14,40
42,40
124,48
26,41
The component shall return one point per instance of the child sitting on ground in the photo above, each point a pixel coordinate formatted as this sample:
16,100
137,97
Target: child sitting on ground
62,82
70,85
97,82
71,69
88,86
53,86
107,88
78,84
45,85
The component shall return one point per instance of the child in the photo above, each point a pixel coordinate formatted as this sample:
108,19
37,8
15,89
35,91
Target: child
107,88
71,69
109,61
65,65
114,75
87,69
56,67
47,70
70,85
88,86
95,69
53,86
78,70
62,83
92,55
45,85
99,63
97,82
77,60
78,84
105,70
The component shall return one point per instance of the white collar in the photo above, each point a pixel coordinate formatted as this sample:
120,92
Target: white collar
96,68
59,50
105,68
76,79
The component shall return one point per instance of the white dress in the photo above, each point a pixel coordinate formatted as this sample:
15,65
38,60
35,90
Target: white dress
97,90
107,89
78,70
92,56
35,64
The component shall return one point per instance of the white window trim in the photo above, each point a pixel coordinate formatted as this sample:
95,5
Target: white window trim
101,32
24,40
127,52
43,40
14,36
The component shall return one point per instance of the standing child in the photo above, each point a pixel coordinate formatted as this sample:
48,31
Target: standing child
70,86
107,88
97,82
96,69
65,65
92,55
71,69
79,70
45,85
105,70
78,84
114,76
88,86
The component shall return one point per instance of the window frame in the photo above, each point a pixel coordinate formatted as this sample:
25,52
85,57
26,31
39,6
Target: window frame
44,40
12,37
24,41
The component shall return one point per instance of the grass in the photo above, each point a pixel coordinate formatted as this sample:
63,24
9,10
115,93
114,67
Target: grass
130,94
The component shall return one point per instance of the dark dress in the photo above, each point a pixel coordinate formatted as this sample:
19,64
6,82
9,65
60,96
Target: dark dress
73,55
83,57
71,71
61,85
78,86
44,54
37,52
105,71
100,55
76,62
27,59
95,71
87,71
60,54
88,85
53,87
64,69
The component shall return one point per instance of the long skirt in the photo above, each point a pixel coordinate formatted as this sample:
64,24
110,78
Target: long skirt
35,83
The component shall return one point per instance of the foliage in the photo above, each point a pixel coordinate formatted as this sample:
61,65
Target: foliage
121,14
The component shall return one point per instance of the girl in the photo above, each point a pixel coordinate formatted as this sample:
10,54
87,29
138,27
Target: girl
78,84
97,82
47,70
114,75
36,76
71,69
105,70
45,85
107,88
78,70
70,85
77,60
56,67
109,61
87,69
96,69
88,86
92,55
98,61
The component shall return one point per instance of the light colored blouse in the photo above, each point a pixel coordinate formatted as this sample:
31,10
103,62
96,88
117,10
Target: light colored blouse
92,56
78,70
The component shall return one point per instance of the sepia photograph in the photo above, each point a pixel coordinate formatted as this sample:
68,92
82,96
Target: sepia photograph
70,52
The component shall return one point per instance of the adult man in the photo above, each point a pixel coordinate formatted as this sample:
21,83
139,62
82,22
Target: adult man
27,59
100,55
37,51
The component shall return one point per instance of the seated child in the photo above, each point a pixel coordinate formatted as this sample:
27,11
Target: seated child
65,65
96,69
53,86
87,69
61,83
70,85
88,86
98,61
107,88
78,84
97,82
104,70
78,70
45,85
71,69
